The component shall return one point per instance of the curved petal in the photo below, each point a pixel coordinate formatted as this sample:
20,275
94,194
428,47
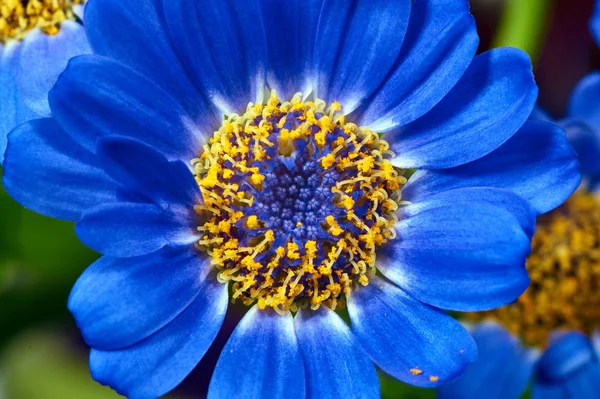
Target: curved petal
43,58
595,23
98,97
120,30
585,140
537,163
407,339
143,169
584,101
110,295
268,341
49,173
356,45
222,44
133,229
335,364
503,199
424,73
595,337
565,356
502,371
13,110
581,385
290,59
487,106
468,256
156,365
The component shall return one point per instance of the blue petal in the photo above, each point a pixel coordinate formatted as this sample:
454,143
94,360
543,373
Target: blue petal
145,170
459,253
402,334
486,107
290,28
595,23
97,96
356,45
49,173
565,355
13,110
537,163
261,356
335,365
596,342
117,302
121,30
424,73
584,100
43,58
223,46
156,365
502,371
585,140
133,229
504,199
583,384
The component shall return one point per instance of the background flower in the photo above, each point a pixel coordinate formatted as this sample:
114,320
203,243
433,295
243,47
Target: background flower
37,38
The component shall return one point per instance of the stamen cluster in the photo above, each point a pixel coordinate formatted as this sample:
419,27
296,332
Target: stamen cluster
17,17
296,201
564,267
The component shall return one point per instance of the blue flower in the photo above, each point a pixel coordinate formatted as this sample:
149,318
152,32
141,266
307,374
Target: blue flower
37,38
176,166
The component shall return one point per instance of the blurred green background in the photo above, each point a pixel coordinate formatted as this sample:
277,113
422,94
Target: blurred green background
41,353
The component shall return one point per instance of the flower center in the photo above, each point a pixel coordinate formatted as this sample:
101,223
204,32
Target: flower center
296,201
17,17
564,267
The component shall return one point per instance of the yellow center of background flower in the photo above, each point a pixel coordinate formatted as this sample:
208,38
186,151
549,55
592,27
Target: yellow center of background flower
296,201
18,17
564,267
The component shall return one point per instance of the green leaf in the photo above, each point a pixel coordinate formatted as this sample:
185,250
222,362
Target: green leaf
523,25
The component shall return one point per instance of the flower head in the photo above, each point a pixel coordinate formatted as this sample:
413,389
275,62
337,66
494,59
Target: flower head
297,202
193,183
37,38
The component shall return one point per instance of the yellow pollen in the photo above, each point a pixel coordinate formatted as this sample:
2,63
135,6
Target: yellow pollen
252,222
18,17
313,243
564,268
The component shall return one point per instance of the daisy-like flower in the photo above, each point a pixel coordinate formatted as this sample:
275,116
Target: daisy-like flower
551,334
37,38
200,187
